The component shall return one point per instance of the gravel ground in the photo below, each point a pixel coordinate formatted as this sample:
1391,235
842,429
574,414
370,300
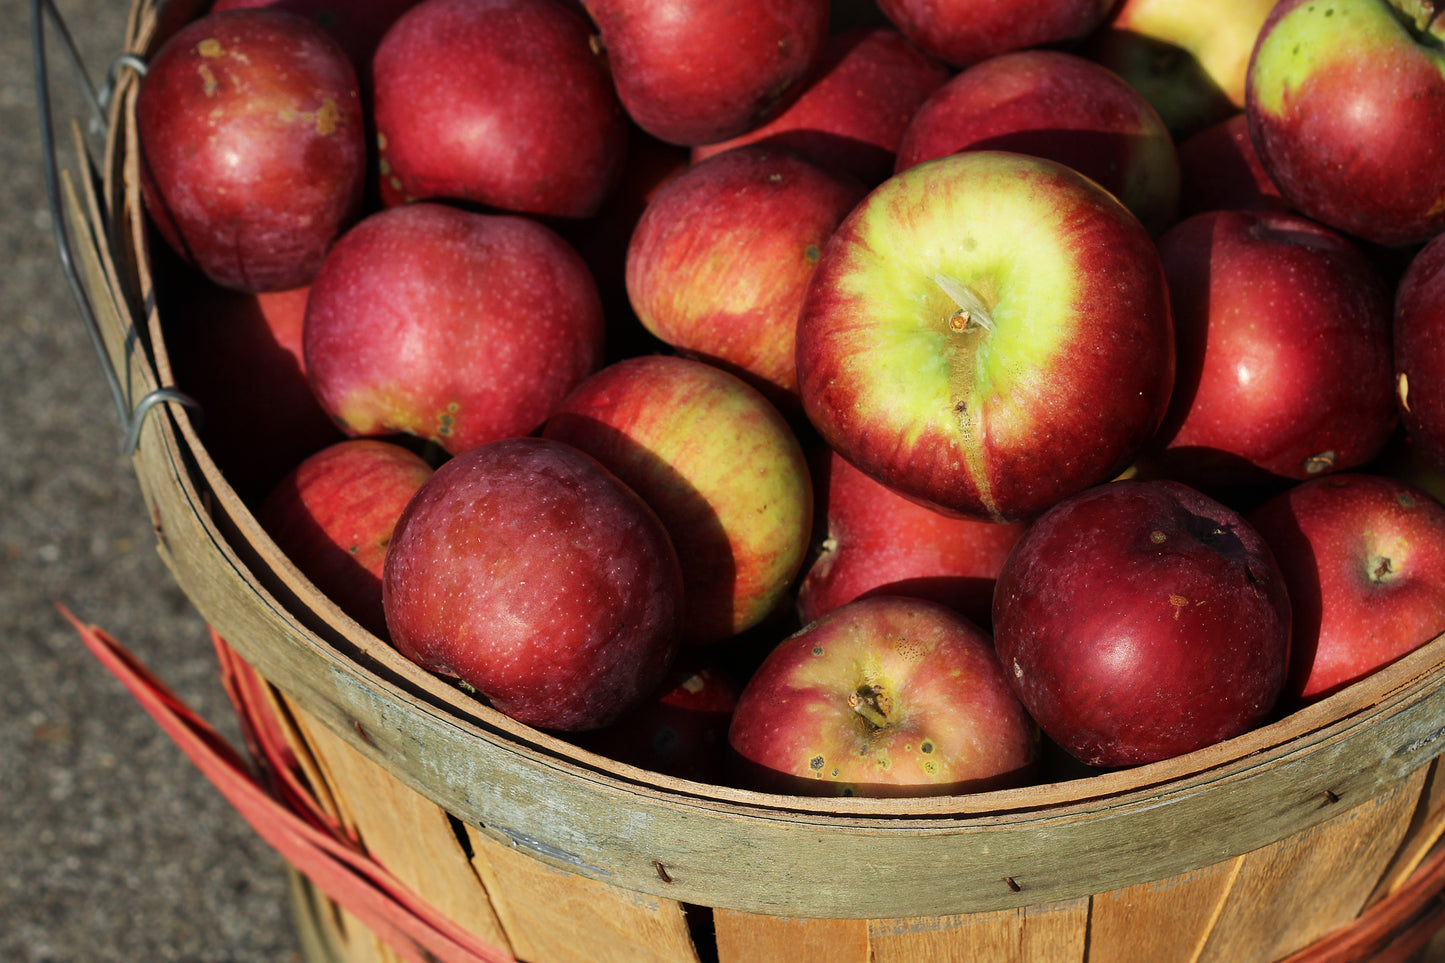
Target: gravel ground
112,846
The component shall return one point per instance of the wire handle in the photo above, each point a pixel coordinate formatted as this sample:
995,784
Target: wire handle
98,101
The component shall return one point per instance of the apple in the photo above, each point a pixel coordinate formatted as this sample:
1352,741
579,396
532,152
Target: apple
454,326
500,103
852,111
1363,558
529,572
1346,105
876,542
1219,169
987,333
333,516
1419,344
681,730
1140,620
1188,59
720,466
1061,106
718,263
965,32
695,71
884,696
238,355
253,146
1285,370
358,25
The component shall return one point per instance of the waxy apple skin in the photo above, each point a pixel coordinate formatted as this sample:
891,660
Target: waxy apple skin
719,262
1061,106
253,146
1219,169
450,325
1284,372
1054,387
1347,109
1419,345
530,572
876,542
720,466
497,102
885,696
696,71
1141,620
333,517
1363,557
965,32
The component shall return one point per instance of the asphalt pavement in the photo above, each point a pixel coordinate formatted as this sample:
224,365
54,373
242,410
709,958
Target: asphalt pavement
112,846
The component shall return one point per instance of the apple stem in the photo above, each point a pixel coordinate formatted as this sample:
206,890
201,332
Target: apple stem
971,313
872,703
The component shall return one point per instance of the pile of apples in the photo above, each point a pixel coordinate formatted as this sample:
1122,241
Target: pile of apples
844,398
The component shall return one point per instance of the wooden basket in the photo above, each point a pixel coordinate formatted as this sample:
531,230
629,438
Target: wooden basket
1250,850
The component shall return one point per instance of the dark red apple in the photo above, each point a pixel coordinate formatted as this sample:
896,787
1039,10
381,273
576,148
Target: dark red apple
1140,620
696,71
987,333
1363,557
1419,345
239,356
720,466
852,111
333,517
681,730
965,32
358,25
1285,371
450,325
1056,105
532,574
1346,105
253,146
719,261
884,696
498,102
1219,170
876,542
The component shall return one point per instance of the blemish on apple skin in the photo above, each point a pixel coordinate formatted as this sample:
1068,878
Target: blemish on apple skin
1319,462
816,764
817,650
210,48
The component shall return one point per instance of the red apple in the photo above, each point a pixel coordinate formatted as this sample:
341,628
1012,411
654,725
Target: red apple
1419,346
253,146
1060,106
239,356
965,32
876,542
1346,105
1284,370
681,730
1188,59
852,111
1220,170
333,517
358,25
532,574
719,465
719,261
1140,620
695,71
1363,557
498,102
987,333
883,697
450,325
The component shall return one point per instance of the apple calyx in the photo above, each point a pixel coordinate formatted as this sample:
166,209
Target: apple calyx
873,703
1381,568
970,313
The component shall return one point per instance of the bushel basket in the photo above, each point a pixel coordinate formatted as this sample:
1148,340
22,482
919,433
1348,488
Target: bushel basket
1313,838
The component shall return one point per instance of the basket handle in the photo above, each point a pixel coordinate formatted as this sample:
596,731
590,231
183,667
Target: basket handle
43,12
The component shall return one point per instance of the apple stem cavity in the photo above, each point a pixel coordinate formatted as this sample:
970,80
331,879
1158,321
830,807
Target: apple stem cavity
970,312
872,703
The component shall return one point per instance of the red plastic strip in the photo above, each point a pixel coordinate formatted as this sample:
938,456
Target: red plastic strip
408,924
